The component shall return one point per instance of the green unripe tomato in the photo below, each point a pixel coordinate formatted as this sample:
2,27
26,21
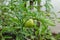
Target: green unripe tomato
29,23
48,14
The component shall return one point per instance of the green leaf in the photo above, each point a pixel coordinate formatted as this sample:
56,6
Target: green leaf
47,21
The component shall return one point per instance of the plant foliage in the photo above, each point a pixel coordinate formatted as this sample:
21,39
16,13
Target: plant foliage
15,14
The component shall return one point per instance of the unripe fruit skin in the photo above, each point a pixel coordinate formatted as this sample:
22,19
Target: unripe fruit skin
29,23
48,14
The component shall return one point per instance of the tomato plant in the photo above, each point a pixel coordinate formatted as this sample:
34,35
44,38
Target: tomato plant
20,20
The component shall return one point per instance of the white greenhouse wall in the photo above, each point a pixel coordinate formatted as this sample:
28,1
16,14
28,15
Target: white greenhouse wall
56,5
